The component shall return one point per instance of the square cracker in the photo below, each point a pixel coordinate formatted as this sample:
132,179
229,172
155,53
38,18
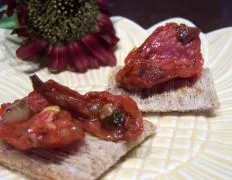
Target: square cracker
180,95
84,161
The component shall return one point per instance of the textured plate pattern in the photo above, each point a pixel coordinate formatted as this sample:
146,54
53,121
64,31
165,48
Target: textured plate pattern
194,146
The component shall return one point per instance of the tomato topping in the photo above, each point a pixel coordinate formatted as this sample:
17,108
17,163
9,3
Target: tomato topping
36,102
23,109
102,114
115,117
47,129
171,51
62,96
37,120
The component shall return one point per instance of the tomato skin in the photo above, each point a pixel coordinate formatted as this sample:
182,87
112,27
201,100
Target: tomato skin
102,114
134,124
36,102
171,51
47,129
62,96
88,109
3,108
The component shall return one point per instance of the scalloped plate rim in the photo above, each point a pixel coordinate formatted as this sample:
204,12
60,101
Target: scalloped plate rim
219,31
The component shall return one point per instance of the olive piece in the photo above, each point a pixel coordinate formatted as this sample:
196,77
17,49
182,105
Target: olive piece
186,34
114,121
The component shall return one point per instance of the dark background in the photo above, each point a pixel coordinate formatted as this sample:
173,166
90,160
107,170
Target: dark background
208,15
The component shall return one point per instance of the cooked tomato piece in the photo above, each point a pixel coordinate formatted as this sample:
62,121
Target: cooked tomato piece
36,102
62,96
23,109
102,114
115,117
2,110
47,129
171,51
32,122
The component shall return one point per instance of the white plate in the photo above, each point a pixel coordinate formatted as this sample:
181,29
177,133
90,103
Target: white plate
193,146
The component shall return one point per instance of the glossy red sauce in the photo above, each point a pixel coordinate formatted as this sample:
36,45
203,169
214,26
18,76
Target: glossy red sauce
171,51
28,123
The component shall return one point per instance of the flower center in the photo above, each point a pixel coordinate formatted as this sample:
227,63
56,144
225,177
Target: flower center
60,21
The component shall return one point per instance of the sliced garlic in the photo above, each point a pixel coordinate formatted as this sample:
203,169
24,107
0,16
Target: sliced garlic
52,108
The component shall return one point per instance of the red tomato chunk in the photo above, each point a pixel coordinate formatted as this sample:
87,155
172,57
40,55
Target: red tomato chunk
171,51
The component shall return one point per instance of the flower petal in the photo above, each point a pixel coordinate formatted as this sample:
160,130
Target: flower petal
99,50
78,56
105,23
111,39
102,2
112,60
103,7
21,32
31,48
11,5
59,58
85,64
49,50
93,63
79,65
22,14
45,55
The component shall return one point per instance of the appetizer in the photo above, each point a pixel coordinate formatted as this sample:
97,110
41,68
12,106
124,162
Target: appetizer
32,123
171,51
166,72
54,115
102,114
57,133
